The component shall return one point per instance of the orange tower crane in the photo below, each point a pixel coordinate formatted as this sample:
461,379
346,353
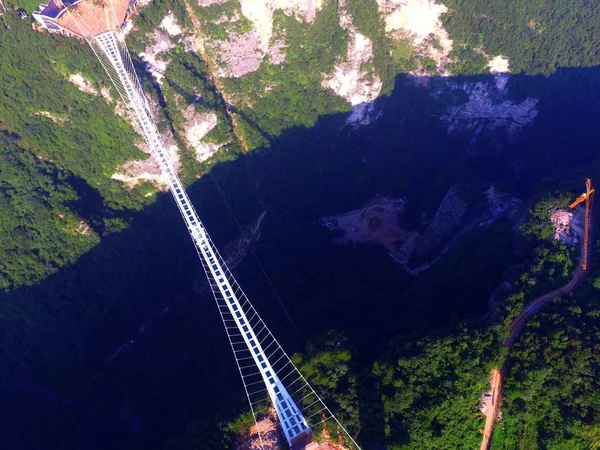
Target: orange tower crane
588,198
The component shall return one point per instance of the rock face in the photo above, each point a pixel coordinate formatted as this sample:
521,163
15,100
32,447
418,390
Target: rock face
242,53
133,173
349,80
485,104
156,54
448,218
239,54
197,126
488,109
260,13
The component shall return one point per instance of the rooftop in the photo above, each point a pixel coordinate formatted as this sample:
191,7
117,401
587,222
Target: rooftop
85,18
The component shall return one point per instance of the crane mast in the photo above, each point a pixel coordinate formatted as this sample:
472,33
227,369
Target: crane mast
588,198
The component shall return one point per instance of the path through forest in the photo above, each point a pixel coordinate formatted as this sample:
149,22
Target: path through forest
515,327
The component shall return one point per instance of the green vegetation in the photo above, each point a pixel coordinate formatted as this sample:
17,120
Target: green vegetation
84,263
277,97
60,147
215,12
38,231
369,22
537,36
431,389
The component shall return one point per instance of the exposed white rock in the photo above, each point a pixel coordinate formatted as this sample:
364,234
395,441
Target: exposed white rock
162,45
418,17
105,93
363,114
196,127
499,64
239,54
83,228
420,21
205,3
276,53
82,83
567,226
135,172
170,25
350,79
205,150
488,106
499,67
53,117
260,13
138,171
142,4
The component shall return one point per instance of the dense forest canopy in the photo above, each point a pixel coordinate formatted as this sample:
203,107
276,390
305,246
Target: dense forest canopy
104,318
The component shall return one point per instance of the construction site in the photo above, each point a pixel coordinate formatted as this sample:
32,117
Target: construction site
568,229
376,222
265,435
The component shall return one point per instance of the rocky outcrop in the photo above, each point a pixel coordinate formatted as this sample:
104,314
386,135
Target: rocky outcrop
446,222
243,52
239,54
85,85
260,13
197,126
354,78
135,172
488,109
56,118
419,21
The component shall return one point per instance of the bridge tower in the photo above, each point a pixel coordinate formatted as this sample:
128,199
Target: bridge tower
268,374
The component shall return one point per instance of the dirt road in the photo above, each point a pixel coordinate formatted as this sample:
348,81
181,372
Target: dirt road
515,327
492,409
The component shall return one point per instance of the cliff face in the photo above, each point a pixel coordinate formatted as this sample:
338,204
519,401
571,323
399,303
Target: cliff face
445,223
285,63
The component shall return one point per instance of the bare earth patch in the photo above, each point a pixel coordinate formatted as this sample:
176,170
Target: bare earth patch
82,84
263,436
374,223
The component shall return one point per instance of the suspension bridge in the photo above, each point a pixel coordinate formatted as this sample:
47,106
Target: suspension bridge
269,376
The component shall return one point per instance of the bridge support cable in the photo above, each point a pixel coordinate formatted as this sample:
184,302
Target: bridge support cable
267,372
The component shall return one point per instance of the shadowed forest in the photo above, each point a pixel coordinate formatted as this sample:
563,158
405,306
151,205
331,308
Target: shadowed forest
113,344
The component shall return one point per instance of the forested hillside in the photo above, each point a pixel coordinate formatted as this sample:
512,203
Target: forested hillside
108,337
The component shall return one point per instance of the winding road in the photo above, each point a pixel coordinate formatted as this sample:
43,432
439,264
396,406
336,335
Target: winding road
537,304
516,326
